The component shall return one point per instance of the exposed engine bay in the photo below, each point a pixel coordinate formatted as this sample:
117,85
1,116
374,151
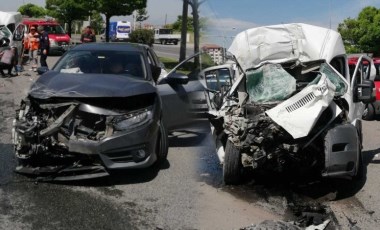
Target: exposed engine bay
51,135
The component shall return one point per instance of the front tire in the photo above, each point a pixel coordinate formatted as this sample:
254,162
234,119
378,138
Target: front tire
232,167
162,146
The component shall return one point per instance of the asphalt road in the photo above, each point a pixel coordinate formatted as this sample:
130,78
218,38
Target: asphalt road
186,193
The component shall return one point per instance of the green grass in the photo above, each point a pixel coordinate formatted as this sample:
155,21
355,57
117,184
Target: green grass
170,63
187,67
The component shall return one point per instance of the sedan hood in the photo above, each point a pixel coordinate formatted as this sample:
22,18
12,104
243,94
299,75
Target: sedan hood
55,84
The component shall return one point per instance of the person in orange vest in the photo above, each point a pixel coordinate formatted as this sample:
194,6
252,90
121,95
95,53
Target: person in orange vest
33,45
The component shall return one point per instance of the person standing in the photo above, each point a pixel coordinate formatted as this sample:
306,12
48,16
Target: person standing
88,35
44,45
7,56
33,45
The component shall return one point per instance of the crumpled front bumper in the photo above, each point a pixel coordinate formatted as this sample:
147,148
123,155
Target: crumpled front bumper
124,150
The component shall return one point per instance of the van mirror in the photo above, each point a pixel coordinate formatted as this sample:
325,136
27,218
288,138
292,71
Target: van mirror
365,91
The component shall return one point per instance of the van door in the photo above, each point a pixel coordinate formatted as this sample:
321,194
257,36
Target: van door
18,40
364,70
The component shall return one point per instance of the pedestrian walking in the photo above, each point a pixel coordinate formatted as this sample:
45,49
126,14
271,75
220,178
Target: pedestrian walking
88,35
33,46
44,45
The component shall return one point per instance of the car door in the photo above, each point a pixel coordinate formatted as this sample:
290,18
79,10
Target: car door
17,40
183,102
218,80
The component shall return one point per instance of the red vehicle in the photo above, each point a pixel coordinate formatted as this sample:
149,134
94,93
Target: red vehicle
372,109
59,40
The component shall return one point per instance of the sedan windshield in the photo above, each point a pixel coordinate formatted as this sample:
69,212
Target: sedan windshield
102,62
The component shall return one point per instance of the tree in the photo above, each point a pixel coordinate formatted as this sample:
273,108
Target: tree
97,21
195,4
144,36
177,25
68,10
141,16
32,10
118,8
184,28
362,34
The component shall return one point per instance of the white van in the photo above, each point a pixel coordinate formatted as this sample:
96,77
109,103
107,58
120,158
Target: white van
10,20
11,27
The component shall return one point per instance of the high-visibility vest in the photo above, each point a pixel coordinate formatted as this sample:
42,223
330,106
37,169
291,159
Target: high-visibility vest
34,41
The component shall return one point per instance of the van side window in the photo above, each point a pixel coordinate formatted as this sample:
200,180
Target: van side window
11,27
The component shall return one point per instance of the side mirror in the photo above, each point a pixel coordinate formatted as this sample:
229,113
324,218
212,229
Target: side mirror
42,70
177,78
366,92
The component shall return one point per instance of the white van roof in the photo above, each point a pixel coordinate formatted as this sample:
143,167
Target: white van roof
7,18
286,42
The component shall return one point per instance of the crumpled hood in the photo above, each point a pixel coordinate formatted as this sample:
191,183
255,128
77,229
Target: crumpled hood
55,84
285,42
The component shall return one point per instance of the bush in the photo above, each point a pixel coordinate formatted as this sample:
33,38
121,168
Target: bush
143,36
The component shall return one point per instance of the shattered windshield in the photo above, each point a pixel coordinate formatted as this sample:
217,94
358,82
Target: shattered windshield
340,85
102,62
270,83
275,82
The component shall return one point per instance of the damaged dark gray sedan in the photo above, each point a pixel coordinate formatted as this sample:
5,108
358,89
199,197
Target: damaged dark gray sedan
98,109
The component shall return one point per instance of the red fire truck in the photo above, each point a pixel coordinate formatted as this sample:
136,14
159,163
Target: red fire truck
59,40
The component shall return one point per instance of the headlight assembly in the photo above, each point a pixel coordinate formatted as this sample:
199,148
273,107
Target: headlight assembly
132,120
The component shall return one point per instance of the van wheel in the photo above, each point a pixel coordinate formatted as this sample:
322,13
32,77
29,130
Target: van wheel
232,167
162,146
360,174
369,113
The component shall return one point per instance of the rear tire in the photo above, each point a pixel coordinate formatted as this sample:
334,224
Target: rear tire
232,167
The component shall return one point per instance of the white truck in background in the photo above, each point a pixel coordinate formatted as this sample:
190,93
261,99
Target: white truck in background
166,36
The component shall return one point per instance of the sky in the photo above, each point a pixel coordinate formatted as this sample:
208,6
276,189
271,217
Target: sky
228,17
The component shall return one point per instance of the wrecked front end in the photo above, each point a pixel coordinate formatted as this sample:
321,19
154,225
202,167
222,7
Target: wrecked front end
60,136
289,117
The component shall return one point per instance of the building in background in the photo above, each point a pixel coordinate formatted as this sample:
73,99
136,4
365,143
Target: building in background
216,52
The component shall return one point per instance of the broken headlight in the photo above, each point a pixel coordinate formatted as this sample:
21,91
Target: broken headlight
133,119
